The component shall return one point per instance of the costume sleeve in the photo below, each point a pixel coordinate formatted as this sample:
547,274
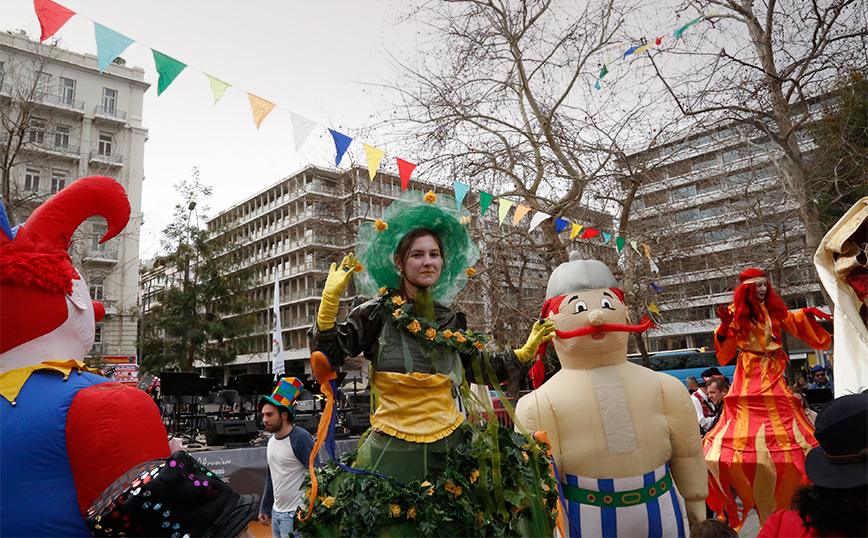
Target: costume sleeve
806,329
725,346
498,360
267,494
302,445
772,527
358,334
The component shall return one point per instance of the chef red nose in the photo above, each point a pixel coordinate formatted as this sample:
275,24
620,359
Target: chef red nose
98,311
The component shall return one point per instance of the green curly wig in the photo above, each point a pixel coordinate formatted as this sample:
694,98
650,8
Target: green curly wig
375,250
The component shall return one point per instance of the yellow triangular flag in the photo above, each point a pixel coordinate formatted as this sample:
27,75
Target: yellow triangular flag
218,87
373,155
653,307
503,209
635,246
520,212
575,231
260,107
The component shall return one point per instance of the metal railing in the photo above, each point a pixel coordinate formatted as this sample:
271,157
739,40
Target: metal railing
60,100
101,254
110,112
107,158
65,149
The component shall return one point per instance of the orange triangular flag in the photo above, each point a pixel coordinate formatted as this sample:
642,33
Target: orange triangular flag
520,212
260,107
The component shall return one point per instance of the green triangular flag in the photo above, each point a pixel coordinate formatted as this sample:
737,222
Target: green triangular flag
484,201
168,68
620,244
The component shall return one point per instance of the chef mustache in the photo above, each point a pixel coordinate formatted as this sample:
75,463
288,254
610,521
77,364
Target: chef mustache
607,328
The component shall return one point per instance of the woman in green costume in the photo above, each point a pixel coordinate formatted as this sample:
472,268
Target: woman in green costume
437,474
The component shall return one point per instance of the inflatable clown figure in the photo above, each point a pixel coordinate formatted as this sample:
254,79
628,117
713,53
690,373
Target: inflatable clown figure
66,432
624,439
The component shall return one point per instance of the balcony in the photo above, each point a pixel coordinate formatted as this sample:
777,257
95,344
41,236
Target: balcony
111,159
64,150
60,101
101,255
110,113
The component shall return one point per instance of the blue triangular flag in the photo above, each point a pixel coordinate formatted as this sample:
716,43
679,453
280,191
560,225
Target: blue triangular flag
560,224
630,51
342,142
656,287
597,85
606,237
460,191
109,45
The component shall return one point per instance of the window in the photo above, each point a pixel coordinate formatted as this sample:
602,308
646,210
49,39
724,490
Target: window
711,211
36,133
687,215
67,91
97,336
684,192
58,180
31,180
105,143
43,84
99,230
61,136
97,291
109,100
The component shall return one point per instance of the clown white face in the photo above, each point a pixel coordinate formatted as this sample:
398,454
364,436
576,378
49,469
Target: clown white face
591,314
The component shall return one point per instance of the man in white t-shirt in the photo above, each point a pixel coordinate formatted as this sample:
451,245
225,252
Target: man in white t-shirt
288,455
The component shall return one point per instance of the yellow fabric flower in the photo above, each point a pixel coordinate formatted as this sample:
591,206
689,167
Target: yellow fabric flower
329,501
470,271
515,509
525,456
449,486
398,301
380,226
396,313
430,487
474,476
479,519
447,333
414,326
460,337
396,510
430,333
383,290
411,512
479,345
430,197
464,221
359,267
457,491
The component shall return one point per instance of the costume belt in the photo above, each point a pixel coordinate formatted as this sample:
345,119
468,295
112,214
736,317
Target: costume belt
618,499
415,407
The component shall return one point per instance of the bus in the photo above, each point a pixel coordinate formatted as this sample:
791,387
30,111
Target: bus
683,363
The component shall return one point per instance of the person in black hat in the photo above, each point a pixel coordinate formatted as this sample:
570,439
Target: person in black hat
171,497
837,503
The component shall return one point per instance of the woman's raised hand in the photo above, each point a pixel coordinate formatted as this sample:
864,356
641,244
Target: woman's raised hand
337,281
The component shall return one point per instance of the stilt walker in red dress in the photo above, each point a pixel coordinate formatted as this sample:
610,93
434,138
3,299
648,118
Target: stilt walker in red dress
759,445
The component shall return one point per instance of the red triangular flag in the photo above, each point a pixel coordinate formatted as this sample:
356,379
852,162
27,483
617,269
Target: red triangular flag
405,169
537,374
589,233
51,17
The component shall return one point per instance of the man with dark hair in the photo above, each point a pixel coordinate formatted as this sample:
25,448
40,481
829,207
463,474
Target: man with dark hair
821,380
705,410
692,385
716,388
288,454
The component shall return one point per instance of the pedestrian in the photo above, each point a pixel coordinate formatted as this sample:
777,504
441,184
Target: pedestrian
692,385
821,380
288,455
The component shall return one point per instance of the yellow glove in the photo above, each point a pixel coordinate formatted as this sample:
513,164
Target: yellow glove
337,281
541,332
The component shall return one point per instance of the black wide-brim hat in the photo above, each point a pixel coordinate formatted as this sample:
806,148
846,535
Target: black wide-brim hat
841,460
171,497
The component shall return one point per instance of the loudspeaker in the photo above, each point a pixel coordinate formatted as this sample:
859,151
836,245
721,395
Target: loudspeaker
357,423
221,432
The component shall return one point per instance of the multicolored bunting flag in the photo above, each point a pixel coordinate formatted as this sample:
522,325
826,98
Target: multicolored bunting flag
677,33
654,268
342,143
109,45
405,170
619,242
589,233
520,212
606,238
656,287
51,17
218,87
277,357
538,219
630,51
503,209
301,129
575,231
647,251
560,224
373,156
643,48
653,307
260,108
168,69
460,191
485,201
635,246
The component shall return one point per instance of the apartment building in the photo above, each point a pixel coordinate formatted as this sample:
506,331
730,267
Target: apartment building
73,121
712,206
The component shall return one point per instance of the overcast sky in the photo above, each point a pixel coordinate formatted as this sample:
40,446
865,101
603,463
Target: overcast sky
317,59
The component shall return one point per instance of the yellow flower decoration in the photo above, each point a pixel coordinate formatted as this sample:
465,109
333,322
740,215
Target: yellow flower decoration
515,509
428,485
449,486
447,333
380,226
479,519
430,333
396,510
464,221
329,501
479,346
411,512
460,337
525,456
396,313
474,476
383,290
430,197
414,326
457,491
470,271
398,301
359,267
